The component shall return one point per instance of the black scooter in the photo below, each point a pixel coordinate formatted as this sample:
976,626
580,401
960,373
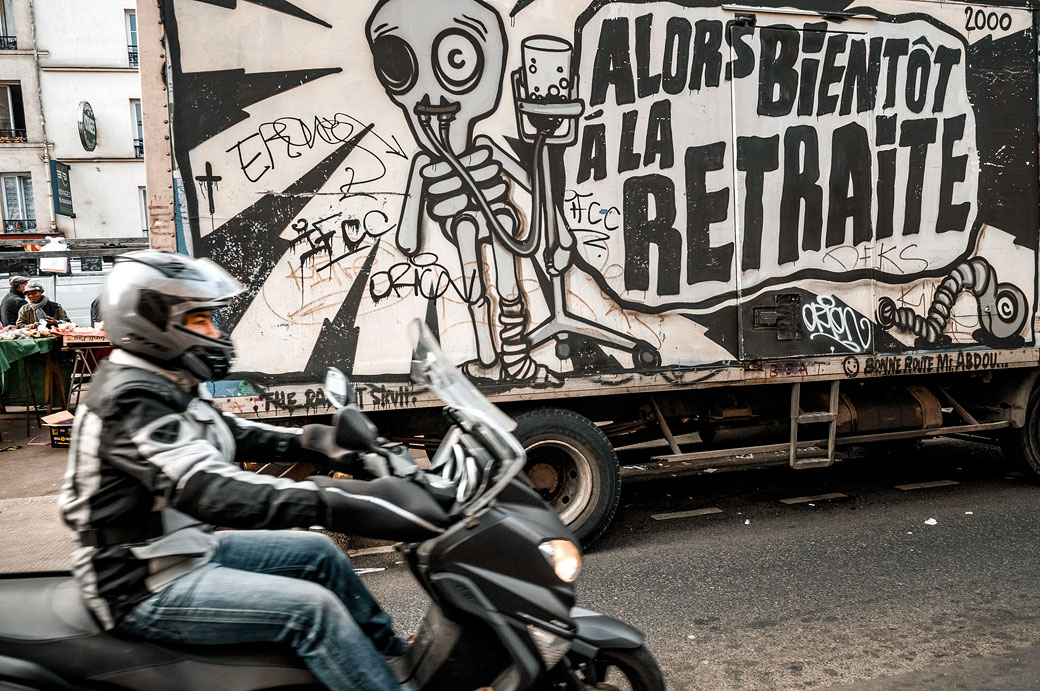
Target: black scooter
501,579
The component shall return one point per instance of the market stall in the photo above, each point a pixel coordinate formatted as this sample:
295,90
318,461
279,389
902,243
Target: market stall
34,372
87,348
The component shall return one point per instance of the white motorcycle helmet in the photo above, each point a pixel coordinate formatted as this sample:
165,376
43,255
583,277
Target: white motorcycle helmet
144,303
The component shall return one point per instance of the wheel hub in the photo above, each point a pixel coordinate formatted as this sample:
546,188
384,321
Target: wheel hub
544,477
562,475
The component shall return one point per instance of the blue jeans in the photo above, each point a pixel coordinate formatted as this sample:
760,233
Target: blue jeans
278,586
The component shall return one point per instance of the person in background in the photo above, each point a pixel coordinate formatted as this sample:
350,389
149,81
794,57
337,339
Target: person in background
95,311
39,308
13,301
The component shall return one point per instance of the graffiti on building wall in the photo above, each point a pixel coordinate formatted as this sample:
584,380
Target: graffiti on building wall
606,186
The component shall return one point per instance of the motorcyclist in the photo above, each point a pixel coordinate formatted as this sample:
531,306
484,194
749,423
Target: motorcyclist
151,465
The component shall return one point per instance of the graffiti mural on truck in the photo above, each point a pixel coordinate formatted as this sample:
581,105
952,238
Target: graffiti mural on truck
606,186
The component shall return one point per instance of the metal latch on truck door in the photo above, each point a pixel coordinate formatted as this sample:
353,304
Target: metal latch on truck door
784,315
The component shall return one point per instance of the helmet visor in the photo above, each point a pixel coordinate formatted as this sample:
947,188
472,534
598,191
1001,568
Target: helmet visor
223,284
200,281
213,289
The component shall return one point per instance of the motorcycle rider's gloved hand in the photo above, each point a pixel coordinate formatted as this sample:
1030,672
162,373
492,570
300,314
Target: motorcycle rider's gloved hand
322,439
389,508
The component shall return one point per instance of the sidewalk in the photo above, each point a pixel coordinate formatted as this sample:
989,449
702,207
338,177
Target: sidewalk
32,534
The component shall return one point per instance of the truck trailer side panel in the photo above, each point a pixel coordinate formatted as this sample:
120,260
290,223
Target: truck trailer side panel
566,190
639,214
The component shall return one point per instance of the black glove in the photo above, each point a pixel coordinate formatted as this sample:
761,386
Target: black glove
389,508
322,439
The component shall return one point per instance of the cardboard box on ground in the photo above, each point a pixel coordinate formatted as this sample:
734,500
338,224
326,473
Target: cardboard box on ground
60,426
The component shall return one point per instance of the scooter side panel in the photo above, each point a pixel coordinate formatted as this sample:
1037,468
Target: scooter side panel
28,675
498,551
47,624
450,655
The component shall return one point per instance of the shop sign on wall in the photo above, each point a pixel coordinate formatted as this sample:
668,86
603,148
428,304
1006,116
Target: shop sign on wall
61,185
87,126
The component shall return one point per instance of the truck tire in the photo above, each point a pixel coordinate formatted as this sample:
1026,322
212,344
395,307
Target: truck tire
573,466
1021,445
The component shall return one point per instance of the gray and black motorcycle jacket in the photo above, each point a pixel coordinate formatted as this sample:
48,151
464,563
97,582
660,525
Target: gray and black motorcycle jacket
151,471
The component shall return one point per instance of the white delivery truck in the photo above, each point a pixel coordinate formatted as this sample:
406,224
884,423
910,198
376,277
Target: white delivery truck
626,220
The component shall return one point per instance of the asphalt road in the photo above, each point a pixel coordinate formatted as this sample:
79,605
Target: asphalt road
859,592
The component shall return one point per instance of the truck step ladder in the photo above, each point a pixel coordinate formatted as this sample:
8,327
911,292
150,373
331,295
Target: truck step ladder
800,417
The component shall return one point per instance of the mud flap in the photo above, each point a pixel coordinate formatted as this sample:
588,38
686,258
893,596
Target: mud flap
596,631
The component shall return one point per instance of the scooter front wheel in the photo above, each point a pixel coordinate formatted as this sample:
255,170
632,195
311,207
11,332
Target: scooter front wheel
620,669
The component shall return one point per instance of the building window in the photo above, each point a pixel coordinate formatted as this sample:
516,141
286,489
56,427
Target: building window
19,209
138,124
131,38
12,114
8,39
142,201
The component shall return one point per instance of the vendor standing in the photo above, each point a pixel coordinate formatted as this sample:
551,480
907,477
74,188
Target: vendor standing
39,308
13,301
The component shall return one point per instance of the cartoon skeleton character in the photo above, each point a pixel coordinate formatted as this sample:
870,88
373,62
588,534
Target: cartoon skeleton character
443,64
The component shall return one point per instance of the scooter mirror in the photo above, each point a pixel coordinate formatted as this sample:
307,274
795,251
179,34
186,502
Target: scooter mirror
353,429
338,388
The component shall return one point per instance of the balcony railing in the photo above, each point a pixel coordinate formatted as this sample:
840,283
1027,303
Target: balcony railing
131,53
19,225
139,148
12,136
8,43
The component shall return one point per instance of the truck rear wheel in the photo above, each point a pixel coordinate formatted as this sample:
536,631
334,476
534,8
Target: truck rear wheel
573,466
1022,445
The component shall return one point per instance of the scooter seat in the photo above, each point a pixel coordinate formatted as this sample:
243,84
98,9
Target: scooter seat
46,623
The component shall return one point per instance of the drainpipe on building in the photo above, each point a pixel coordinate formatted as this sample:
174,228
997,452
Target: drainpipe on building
155,102
43,121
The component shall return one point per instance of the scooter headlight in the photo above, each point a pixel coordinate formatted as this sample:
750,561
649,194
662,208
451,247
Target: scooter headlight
565,558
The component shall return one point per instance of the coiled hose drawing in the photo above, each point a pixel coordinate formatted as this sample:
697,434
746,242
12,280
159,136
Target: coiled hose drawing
1002,308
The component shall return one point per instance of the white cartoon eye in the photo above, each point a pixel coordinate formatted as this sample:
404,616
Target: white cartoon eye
458,61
